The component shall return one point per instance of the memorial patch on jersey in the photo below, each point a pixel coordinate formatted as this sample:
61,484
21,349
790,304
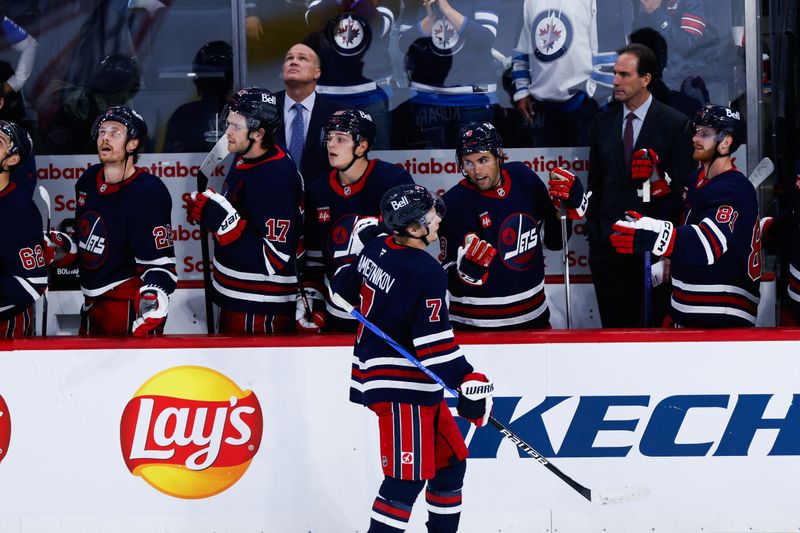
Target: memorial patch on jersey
445,37
339,239
92,240
552,34
519,239
486,220
350,34
323,214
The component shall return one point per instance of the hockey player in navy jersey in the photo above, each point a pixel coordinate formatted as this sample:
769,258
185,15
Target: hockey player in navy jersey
402,290
23,275
125,251
256,221
349,198
715,255
505,204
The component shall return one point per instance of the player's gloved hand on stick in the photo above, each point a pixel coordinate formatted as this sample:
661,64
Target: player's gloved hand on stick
473,259
364,230
475,398
59,249
565,187
217,213
153,307
313,323
644,163
637,234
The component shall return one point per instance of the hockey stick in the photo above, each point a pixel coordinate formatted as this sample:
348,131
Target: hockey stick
46,199
624,495
763,170
562,215
648,258
215,157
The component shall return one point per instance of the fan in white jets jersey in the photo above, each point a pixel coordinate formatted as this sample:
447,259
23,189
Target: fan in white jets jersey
506,205
715,255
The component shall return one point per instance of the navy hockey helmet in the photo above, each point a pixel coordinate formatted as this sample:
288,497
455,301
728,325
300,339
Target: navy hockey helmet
357,123
478,137
406,204
214,58
20,141
723,120
137,128
259,106
115,74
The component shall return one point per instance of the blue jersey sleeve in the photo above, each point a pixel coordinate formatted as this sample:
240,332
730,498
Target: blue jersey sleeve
151,239
23,275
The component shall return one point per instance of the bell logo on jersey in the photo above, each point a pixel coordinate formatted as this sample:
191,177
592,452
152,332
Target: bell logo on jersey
92,240
519,239
5,429
190,432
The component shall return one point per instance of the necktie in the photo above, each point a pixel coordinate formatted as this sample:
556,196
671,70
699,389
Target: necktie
627,140
298,134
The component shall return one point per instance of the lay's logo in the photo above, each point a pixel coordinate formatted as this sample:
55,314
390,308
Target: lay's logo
190,432
5,429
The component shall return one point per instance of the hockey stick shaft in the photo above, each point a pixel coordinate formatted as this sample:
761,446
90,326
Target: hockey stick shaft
46,198
648,260
565,253
202,183
504,430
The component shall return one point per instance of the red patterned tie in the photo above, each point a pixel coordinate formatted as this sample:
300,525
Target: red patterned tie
627,140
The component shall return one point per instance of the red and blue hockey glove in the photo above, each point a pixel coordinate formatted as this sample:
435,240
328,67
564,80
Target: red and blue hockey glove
564,186
638,234
475,398
645,162
153,307
217,213
59,249
473,259
316,321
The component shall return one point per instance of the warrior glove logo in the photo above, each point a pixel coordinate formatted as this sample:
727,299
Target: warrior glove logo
190,432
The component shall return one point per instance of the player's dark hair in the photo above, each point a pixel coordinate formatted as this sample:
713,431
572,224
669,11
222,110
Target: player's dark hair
646,64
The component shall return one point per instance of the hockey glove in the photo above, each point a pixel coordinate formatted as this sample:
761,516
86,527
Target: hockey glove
473,259
475,398
153,306
60,250
638,234
364,230
564,186
644,163
217,213
303,322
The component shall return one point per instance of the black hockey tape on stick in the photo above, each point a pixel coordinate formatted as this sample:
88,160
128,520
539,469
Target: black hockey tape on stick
562,216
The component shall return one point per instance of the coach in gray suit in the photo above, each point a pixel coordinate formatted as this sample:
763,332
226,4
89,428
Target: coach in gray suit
619,279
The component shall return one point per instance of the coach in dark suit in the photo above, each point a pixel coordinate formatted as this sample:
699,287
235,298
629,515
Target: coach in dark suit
301,70
635,120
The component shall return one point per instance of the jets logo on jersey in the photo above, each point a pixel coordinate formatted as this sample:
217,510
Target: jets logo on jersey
519,240
445,37
552,35
92,240
351,35
339,240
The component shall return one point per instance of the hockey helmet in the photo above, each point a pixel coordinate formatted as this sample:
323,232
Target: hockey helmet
723,120
137,128
115,74
259,106
213,58
20,141
478,137
406,204
357,123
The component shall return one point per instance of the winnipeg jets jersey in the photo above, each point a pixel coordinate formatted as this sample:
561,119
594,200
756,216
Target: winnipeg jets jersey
509,217
454,63
124,232
716,259
257,273
331,212
402,291
793,288
352,43
23,275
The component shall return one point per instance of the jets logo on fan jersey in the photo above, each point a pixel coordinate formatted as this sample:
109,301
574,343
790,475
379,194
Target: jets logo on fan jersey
93,239
519,239
339,239
351,35
552,35
445,37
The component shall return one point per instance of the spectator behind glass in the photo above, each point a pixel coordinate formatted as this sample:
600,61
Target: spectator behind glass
12,109
351,38
18,38
194,126
448,50
692,95
115,81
